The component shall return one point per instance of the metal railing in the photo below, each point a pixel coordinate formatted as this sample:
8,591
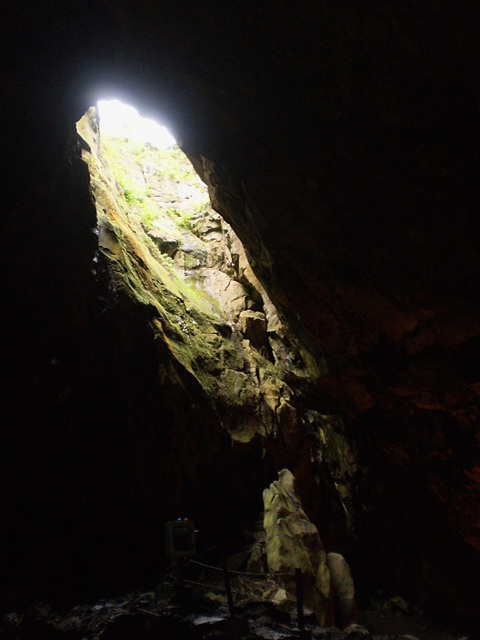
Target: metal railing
226,585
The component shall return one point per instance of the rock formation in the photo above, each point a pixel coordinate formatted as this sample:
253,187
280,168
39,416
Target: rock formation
343,589
293,542
201,294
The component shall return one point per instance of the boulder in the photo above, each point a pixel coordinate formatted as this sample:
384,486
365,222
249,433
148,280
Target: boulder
343,590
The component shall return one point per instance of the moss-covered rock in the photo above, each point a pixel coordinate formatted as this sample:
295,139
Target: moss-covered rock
170,252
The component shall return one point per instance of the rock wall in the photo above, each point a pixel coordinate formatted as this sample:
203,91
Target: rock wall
339,143
207,306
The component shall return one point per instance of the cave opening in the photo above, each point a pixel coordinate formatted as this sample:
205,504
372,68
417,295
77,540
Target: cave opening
240,376
339,141
155,177
119,119
169,262
142,179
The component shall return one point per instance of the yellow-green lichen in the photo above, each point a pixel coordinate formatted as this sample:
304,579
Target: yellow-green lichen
140,237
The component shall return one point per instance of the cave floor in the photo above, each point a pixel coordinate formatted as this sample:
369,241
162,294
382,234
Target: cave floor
167,614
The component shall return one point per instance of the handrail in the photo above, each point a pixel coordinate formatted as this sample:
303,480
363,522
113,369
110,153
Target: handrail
242,573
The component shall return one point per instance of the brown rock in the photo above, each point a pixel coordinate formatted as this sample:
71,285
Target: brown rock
253,325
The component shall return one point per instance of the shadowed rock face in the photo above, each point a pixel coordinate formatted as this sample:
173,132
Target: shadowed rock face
339,142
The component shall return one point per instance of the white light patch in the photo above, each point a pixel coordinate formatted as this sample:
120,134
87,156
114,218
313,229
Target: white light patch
123,121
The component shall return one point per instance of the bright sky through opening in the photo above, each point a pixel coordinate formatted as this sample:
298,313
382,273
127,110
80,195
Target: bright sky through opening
121,120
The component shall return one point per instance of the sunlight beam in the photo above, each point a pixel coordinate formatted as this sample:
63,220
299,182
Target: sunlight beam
123,121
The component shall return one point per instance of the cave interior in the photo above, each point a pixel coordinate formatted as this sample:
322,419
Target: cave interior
340,142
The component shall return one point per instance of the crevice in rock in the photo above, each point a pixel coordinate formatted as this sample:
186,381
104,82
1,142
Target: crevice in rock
207,310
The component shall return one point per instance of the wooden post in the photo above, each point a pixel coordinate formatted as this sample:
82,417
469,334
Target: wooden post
180,582
228,588
299,594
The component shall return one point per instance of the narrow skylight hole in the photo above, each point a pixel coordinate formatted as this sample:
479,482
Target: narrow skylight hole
123,121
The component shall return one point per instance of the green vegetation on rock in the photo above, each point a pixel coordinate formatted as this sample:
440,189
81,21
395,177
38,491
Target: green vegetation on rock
168,250
158,184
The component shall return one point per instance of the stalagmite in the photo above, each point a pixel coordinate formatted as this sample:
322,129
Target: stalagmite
292,541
